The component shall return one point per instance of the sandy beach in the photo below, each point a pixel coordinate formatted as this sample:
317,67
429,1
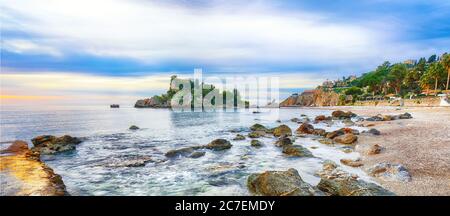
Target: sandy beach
421,144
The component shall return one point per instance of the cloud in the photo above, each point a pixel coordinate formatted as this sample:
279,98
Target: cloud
226,34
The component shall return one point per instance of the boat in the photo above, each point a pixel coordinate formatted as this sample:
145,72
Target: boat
114,106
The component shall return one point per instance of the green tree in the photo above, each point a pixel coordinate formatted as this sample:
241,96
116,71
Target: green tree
396,76
446,63
432,59
434,73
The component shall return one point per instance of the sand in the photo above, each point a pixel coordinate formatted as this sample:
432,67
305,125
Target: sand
421,144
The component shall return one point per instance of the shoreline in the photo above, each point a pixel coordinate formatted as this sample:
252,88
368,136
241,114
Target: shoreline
421,144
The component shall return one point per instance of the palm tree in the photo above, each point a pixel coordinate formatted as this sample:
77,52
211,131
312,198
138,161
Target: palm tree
434,72
446,62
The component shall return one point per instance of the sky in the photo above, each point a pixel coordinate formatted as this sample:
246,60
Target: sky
110,50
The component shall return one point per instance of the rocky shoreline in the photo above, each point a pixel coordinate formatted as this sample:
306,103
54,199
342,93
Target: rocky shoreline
334,181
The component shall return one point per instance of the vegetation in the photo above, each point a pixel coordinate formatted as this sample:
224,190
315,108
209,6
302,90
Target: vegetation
410,78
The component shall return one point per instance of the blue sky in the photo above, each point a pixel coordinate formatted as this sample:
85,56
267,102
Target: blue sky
307,41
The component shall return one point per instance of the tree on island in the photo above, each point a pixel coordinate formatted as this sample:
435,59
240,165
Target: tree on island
446,62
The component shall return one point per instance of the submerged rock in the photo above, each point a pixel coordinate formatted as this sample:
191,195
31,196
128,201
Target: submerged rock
239,137
132,161
296,151
282,130
219,144
23,174
134,127
390,172
305,128
256,134
181,152
256,143
346,139
197,154
340,183
47,144
280,183
348,122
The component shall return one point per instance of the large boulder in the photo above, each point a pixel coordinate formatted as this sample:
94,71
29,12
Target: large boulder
282,130
280,183
16,147
337,182
390,172
305,128
218,145
296,151
47,144
339,114
258,127
346,139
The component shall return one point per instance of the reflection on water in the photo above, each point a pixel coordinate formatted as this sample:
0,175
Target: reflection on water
97,167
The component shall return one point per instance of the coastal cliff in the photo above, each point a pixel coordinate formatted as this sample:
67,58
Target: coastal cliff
24,174
312,98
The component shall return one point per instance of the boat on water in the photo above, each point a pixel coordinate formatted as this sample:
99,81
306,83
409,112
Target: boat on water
114,106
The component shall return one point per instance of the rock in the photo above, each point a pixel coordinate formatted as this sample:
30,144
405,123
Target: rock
319,132
305,128
17,146
332,135
348,122
219,144
256,134
181,152
295,120
373,131
375,149
258,127
22,173
352,163
349,130
256,143
325,141
283,141
47,144
153,102
134,161
338,114
296,151
280,183
346,139
404,116
197,154
375,118
337,182
390,172
134,127
282,130
320,118
239,137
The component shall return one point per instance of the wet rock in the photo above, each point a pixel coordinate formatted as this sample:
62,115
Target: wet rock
352,163
256,134
256,143
280,183
134,161
219,144
181,152
404,116
375,118
319,132
47,144
282,130
197,154
305,128
134,127
325,141
320,118
373,131
348,122
349,130
258,127
333,134
295,120
337,182
338,114
390,172
296,151
375,149
346,139
283,141
347,149
22,173
17,146
239,137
